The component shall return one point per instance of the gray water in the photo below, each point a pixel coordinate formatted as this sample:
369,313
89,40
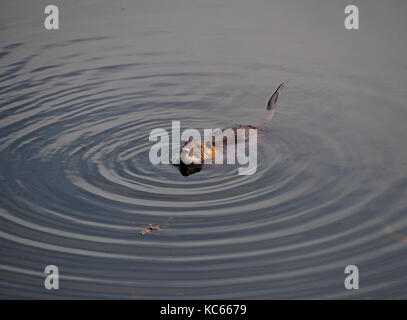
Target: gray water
77,187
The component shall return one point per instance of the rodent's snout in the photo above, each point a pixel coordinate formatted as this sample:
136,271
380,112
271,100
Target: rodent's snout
185,157
196,152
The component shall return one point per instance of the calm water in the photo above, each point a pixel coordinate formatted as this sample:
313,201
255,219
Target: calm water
77,187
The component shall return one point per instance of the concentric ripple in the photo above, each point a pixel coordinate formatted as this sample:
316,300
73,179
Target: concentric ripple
77,186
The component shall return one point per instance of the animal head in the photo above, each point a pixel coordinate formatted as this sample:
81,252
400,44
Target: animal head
196,152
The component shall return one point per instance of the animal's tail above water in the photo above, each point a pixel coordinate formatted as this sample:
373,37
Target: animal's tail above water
271,104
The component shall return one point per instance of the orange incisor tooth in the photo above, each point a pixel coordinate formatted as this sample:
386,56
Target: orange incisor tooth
213,152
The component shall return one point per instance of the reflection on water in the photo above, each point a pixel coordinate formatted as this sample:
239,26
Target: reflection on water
77,186
187,170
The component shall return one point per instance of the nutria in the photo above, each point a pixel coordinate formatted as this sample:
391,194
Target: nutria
194,153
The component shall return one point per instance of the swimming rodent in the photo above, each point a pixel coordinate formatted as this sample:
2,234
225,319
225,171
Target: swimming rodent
192,161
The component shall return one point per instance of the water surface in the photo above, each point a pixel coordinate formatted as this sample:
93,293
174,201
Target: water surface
77,187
